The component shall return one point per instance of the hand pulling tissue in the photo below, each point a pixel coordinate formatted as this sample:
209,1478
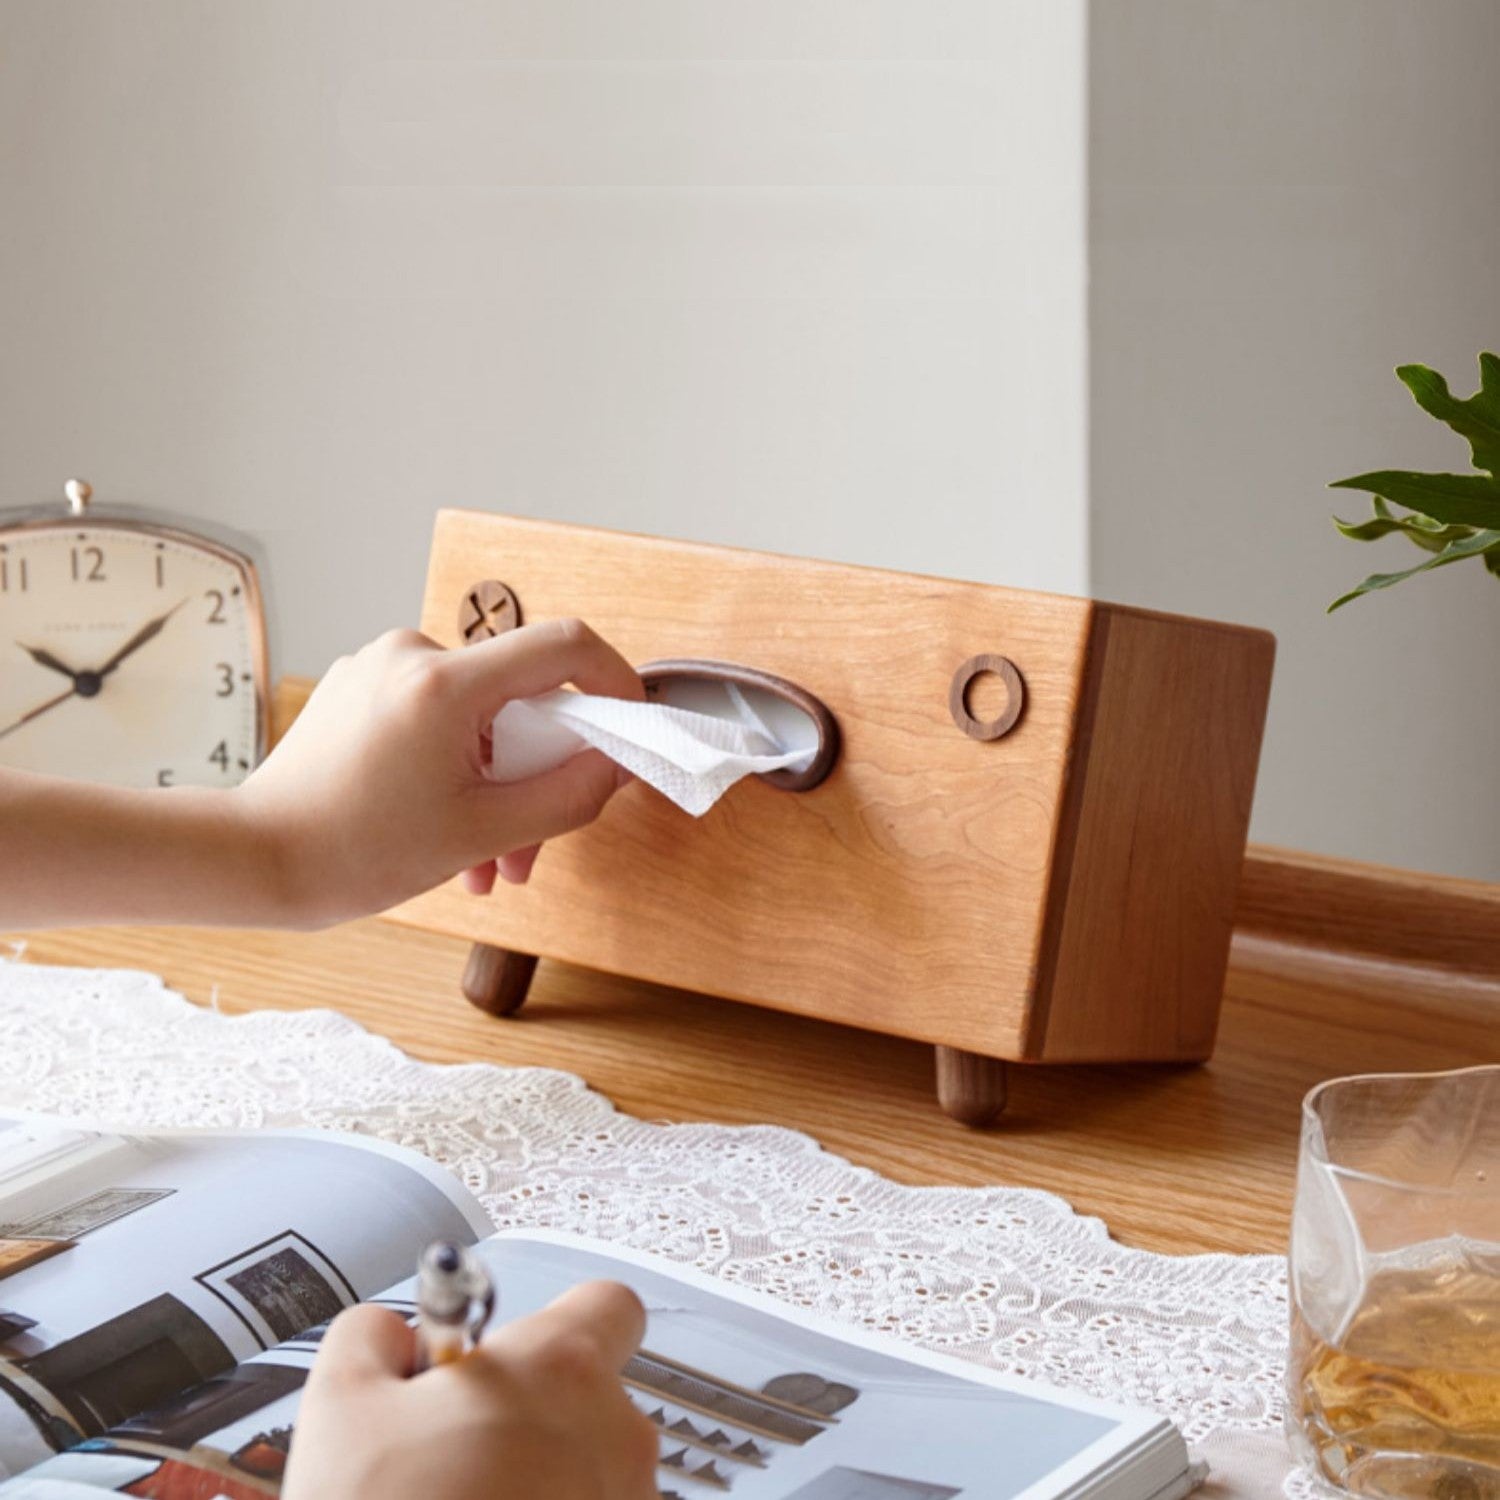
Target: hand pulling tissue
691,757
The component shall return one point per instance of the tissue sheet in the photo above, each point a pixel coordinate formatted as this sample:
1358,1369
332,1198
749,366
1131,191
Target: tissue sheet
692,758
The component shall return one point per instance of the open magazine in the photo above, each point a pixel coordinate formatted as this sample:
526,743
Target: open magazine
162,1298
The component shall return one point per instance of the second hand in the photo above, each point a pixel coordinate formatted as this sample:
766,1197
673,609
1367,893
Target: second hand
38,711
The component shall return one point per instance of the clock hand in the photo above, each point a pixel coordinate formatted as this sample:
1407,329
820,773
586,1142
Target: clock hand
148,632
87,684
37,712
44,658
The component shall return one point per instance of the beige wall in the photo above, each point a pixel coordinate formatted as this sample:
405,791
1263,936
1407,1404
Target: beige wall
1288,198
805,275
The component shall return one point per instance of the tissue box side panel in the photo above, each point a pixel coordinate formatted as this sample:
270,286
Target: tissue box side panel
906,894
1156,819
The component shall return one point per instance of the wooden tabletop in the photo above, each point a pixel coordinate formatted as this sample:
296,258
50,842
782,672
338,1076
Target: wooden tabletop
1172,1158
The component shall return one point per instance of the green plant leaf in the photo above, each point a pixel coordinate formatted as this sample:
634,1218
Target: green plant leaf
1430,535
1453,499
1481,542
1477,418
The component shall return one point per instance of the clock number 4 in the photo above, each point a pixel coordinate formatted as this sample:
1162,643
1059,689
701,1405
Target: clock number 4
220,756
88,565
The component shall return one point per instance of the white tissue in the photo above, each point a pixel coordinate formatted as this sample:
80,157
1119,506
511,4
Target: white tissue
692,758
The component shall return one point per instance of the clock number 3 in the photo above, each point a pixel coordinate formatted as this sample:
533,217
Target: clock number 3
226,679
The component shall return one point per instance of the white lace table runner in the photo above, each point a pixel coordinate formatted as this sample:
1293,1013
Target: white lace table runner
1007,1277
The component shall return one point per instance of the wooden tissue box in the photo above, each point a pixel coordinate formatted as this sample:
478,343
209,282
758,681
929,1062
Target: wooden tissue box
1032,858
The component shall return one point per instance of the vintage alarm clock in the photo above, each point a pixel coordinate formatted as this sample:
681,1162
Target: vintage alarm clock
133,646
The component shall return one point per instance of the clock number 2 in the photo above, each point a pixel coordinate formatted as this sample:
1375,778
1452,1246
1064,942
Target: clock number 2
90,570
216,615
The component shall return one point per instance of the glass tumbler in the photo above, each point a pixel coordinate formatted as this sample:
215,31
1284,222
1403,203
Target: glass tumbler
1393,1382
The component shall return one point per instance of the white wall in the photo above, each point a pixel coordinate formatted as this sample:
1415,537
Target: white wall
805,275
800,274
1287,200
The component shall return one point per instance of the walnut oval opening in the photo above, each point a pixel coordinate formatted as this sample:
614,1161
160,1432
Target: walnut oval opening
791,716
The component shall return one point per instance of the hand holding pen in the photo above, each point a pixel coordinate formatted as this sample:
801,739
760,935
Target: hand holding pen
536,1408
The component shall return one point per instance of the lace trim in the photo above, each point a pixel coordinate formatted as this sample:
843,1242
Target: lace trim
1007,1277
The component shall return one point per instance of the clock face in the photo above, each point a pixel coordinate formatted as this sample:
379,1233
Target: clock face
128,655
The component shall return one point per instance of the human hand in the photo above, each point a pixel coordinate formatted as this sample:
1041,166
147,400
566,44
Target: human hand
379,792
537,1409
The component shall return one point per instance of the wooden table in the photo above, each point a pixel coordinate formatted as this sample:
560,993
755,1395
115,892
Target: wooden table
1175,1159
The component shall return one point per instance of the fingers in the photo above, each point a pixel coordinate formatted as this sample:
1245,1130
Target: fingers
367,1341
520,813
600,1321
515,868
537,658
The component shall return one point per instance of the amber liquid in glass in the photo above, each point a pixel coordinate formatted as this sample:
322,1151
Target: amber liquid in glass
1407,1403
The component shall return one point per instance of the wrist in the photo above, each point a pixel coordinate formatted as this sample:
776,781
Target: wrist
232,868
271,866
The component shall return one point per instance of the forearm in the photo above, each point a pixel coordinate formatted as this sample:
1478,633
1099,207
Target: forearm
377,793
73,853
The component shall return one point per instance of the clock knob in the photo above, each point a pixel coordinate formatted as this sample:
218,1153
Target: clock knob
79,493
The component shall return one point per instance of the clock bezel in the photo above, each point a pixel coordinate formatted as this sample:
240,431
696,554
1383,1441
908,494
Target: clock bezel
227,545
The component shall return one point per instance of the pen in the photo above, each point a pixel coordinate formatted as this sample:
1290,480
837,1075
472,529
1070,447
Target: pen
455,1300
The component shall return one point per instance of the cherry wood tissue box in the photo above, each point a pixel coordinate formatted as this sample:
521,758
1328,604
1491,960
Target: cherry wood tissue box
1026,846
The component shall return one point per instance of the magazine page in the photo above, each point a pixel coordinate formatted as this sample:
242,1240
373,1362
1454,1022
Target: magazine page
133,1267
750,1400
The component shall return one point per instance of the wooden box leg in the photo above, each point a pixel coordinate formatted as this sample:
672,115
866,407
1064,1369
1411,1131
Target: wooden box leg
496,980
970,1088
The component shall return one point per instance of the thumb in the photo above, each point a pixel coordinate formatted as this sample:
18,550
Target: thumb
517,813
366,1343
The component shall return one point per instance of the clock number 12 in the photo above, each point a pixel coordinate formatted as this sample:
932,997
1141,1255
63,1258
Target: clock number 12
91,571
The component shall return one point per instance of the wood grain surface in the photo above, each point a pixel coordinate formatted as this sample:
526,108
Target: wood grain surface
1160,797
809,903
1064,891
1341,907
